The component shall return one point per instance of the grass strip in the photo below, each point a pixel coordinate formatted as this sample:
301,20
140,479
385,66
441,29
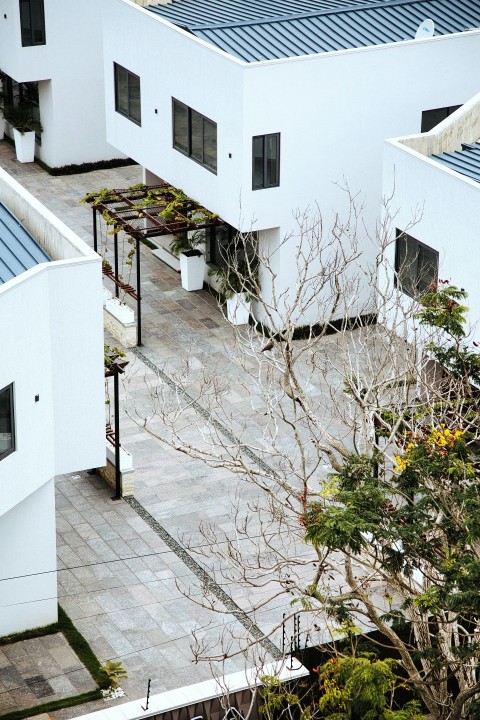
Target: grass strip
53,705
81,647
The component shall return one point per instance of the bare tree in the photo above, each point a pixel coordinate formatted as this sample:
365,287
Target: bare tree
359,438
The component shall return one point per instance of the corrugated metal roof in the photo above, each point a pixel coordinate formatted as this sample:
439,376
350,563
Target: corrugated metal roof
465,161
19,251
195,13
304,27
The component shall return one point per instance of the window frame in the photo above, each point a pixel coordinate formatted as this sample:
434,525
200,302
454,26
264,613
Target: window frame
10,390
25,6
426,126
129,76
419,246
188,152
265,185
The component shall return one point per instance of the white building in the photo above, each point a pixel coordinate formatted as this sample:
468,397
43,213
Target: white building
52,417
51,56
258,108
435,178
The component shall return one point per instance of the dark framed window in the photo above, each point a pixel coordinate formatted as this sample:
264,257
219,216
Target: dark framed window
23,93
7,422
127,94
431,118
194,135
32,22
416,265
223,244
266,161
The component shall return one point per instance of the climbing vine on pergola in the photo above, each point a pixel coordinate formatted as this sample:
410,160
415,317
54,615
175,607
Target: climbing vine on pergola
142,212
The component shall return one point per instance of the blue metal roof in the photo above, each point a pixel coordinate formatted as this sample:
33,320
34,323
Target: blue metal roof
19,251
254,30
465,161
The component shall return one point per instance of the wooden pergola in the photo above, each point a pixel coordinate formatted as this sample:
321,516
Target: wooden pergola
142,212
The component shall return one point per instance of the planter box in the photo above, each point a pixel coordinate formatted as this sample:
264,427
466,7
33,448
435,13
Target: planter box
3,123
192,268
24,146
119,320
238,309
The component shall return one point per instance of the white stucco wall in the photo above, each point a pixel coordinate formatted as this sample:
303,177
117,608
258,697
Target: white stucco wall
28,579
52,347
446,207
333,111
69,66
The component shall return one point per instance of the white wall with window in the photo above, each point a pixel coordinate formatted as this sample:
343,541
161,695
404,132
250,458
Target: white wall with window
439,209
59,46
288,131
51,403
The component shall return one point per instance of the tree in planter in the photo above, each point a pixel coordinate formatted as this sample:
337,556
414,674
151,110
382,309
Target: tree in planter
25,125
364,463
237,277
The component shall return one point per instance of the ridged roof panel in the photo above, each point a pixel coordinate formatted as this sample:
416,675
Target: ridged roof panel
466,161
252,30
19,251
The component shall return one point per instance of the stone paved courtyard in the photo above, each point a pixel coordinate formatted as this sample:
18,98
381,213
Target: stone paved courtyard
124,577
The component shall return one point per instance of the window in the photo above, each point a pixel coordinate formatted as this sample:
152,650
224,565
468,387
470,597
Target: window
127,94
7,431
195,135
430,118
23,93
266,161
32,22
416,265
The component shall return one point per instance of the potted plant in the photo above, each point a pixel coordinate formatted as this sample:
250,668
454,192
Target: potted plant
24,126
185,245
2,115
236,282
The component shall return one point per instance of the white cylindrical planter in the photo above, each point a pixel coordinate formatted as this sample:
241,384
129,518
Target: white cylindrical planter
192,268
238,309
24,146
3,123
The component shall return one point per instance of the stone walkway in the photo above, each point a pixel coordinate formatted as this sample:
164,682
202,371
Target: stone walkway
39,670
117,579
124,576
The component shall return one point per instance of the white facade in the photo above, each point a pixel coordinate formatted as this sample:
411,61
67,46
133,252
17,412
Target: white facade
333,111
436,205
52,349
68,69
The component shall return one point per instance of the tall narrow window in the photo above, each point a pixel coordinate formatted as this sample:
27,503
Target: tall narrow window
266,161
127,94
416,265
7,427
32,22
195,135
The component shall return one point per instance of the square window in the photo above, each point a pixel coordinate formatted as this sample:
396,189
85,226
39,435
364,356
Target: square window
416,265
266,161
7,425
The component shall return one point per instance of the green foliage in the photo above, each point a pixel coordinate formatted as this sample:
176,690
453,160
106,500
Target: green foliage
114,671
185,241
351,688
21,117
414,522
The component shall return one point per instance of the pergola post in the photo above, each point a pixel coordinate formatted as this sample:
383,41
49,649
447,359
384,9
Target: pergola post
118,475
115,251
139,297
95,238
